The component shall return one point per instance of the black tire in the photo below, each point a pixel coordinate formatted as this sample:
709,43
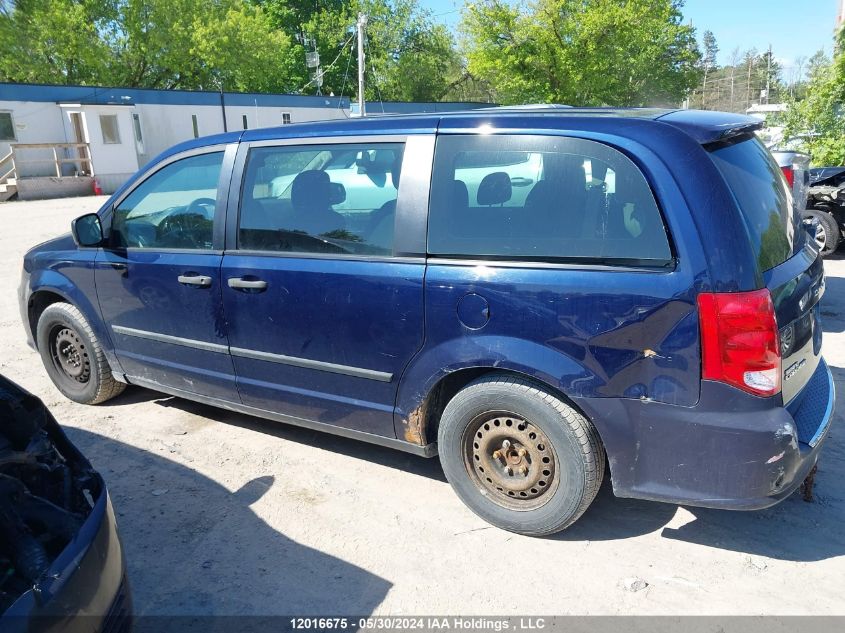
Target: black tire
829,235
73,357
546,475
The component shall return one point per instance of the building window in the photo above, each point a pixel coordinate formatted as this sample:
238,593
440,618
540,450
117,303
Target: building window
285,118
246,125
195,125
108,124
7,127
136,125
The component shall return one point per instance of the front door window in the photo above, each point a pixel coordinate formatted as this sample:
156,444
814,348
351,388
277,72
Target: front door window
173,208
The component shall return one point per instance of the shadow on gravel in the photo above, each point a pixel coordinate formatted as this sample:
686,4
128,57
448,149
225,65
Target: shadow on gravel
793,530
194,548
833,305
353,448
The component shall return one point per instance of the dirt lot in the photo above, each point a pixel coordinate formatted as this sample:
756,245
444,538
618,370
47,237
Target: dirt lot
226,514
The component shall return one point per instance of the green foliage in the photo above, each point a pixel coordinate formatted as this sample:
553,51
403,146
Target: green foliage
409,57
582,52
821,114
53,41
144,43
711,51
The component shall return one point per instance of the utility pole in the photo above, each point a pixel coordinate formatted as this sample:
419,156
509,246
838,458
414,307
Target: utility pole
748,85
768,72
361,24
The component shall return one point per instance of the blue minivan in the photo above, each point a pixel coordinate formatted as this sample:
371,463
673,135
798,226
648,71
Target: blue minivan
535,296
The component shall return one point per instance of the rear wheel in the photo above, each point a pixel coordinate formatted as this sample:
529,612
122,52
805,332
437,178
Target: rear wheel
827,235
73,357
518,456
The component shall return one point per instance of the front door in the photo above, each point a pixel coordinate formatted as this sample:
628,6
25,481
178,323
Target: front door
158,282
323,301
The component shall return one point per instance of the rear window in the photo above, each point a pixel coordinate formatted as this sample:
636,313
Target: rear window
542,198
763,197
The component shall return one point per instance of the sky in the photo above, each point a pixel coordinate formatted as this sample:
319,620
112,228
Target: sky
794,28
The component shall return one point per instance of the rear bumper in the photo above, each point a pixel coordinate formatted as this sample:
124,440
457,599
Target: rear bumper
730,451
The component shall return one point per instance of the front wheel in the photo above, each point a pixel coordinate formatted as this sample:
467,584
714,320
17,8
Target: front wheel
519,456
73,357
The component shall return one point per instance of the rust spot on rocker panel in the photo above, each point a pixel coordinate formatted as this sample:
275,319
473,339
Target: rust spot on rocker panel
415,425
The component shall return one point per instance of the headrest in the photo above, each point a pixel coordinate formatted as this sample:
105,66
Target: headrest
395,171
311,189
460,194
337,194
495,188
377,162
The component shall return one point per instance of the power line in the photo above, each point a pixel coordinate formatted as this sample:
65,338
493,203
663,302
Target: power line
343,88
375,83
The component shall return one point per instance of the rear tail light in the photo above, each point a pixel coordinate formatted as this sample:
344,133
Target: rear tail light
739,340
789,174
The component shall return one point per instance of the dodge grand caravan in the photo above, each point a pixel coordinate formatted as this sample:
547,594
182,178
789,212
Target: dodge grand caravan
531,295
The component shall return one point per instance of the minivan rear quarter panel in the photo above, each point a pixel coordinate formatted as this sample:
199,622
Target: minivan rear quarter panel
590,331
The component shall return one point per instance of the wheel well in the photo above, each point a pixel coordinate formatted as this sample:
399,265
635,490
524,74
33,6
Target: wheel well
448,386
38,302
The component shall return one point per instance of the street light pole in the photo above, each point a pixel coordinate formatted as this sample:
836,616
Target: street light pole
361,24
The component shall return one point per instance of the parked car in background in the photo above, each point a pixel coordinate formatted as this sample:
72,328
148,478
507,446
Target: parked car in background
815,192
826,207
546,292
796,169
60,555
818,174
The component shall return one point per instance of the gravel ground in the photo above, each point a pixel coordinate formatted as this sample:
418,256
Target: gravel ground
226,514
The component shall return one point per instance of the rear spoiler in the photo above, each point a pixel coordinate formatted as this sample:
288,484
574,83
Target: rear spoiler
711,127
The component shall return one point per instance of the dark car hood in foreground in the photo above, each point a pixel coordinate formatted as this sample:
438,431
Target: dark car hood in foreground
56,525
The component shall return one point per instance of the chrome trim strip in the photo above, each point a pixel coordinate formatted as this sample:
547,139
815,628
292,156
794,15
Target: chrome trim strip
167,338
294,361
306,363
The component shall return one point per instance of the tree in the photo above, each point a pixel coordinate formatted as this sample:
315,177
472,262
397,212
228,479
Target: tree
582,52
409,57
53,41
817,61
144,43
709,62
821,114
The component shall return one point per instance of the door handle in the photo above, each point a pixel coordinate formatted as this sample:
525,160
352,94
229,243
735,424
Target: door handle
195,280
239,283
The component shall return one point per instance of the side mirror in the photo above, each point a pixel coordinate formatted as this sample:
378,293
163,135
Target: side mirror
87,230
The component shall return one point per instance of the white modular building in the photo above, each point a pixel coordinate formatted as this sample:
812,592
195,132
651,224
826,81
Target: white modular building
72,140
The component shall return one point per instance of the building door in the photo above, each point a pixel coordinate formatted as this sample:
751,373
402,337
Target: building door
83,153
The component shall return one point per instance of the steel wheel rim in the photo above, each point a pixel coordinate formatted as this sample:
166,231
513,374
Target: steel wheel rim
69,355
820,236
511,460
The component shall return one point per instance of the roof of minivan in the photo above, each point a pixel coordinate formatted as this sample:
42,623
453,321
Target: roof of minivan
703,126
